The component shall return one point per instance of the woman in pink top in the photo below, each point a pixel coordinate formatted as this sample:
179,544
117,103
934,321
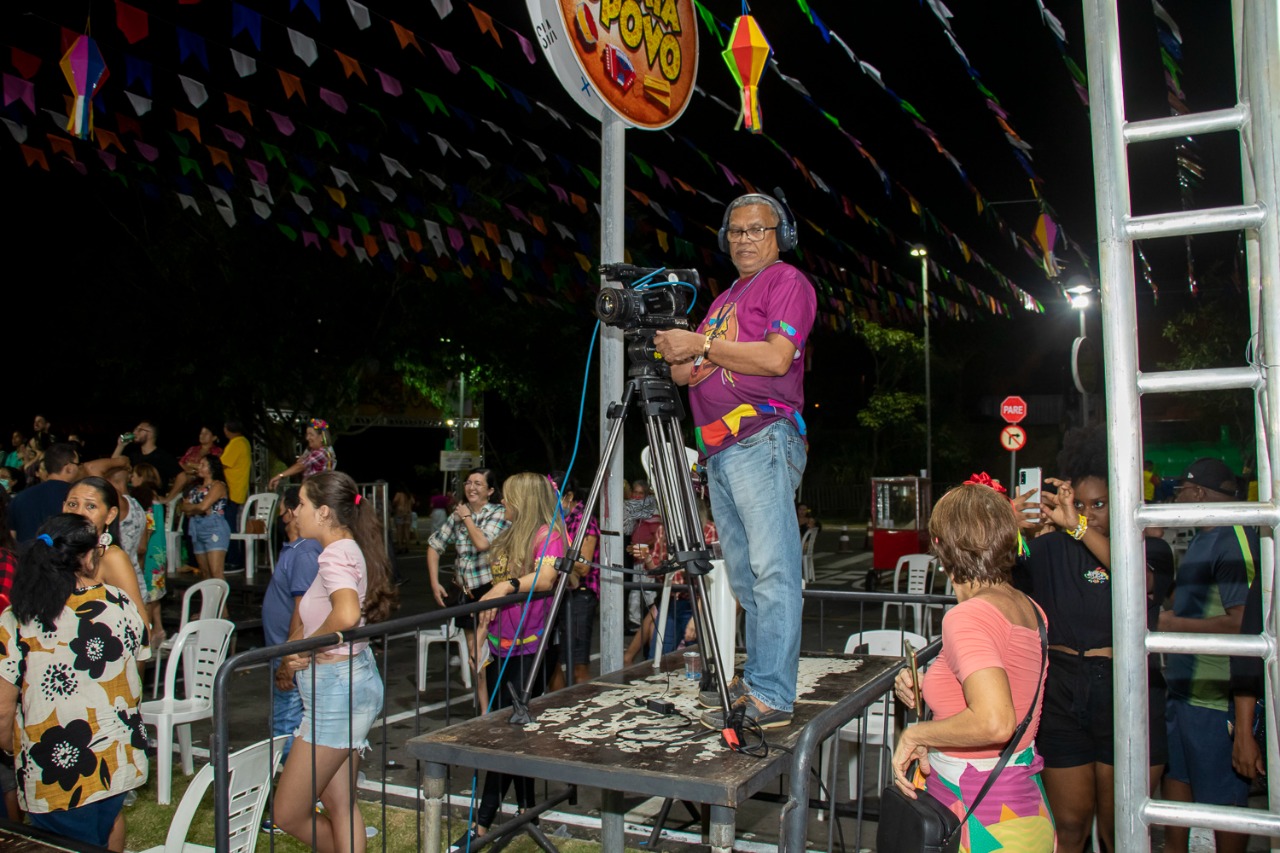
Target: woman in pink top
983,683
341,690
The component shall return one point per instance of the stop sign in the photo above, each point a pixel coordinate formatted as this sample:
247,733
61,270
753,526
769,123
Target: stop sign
1013,409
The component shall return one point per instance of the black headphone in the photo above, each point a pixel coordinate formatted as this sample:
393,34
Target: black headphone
786,231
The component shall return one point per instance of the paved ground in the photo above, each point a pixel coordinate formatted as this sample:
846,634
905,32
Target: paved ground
838,565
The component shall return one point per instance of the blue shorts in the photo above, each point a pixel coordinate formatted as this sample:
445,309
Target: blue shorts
209,533
340,707
90,824
1200,754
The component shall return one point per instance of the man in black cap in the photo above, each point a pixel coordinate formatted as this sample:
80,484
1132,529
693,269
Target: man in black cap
1212,585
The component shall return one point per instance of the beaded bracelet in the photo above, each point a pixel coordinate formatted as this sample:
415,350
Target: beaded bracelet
1081,527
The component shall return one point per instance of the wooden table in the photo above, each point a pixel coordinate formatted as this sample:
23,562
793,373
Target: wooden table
601,734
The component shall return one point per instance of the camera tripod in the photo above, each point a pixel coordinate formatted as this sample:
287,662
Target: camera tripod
650,387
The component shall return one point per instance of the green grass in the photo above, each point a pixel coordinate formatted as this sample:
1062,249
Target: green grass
148,822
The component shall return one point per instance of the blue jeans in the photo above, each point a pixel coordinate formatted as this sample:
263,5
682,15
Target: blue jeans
286,713
753,487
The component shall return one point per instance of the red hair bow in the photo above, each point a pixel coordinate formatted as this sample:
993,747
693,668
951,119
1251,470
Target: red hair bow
984,479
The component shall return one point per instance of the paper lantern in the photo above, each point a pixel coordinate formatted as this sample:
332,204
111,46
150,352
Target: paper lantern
746,56
85,71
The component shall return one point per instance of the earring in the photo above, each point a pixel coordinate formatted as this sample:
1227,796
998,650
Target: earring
105,539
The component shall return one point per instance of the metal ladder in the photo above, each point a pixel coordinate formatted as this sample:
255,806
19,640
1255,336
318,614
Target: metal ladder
1257,56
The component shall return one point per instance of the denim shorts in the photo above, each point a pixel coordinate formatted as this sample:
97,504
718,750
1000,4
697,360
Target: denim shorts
209,533
342,703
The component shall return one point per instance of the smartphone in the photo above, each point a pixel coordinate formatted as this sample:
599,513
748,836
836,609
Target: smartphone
1029,479
915,679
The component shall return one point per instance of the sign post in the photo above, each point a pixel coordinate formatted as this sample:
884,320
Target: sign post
626,64
1013,437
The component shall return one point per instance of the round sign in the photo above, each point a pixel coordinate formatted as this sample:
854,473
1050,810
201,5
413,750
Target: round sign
557,46
1086,366
1013,409
1013,438
640,57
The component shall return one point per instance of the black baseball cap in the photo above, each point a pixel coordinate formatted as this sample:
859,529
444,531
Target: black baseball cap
1212,474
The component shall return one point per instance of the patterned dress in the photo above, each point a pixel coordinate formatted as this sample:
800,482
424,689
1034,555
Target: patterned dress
81,735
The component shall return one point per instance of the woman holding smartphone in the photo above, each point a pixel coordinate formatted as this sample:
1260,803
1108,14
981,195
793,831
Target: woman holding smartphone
1068,572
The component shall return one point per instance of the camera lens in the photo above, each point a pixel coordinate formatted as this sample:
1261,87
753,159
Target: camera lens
611,306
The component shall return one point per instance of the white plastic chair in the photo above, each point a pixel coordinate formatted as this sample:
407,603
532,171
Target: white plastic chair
258,507
919,578
213,595
202,647
929,609
877,719
806,551
451,635
173,521
251,770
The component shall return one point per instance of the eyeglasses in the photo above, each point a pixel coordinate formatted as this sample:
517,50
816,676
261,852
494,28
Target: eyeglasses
753,235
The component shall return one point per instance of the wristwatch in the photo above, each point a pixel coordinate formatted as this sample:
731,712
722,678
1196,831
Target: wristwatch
515,585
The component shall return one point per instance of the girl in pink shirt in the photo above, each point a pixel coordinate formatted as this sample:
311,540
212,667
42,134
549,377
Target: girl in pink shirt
982,685
339,685
523,560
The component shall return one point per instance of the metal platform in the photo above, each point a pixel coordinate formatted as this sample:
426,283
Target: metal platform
601,734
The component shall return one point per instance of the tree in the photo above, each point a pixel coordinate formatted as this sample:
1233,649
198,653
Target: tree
1215,333
892,414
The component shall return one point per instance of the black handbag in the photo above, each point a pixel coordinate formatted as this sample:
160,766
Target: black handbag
923,824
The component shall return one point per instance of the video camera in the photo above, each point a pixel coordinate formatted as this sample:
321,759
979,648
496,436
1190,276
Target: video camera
646,303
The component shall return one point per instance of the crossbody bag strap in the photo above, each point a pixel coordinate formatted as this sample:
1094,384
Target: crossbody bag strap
1022,727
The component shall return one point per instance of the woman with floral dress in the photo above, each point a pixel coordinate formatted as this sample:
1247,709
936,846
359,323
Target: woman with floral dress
69,686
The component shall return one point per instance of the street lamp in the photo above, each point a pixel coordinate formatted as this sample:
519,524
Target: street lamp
919,251
1079,299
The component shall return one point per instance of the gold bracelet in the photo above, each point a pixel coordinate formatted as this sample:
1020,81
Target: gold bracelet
1081,527
706,348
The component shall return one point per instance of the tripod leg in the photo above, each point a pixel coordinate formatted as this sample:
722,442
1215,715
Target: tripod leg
659,822
520,711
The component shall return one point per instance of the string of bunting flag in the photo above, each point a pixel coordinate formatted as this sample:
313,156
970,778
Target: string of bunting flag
923,212
192,48
1021,149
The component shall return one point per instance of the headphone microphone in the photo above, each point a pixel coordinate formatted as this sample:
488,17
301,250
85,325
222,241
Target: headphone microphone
786,228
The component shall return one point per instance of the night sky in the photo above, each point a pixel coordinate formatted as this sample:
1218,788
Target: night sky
110,278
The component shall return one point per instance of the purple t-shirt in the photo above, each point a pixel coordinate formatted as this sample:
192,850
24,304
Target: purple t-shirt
727,406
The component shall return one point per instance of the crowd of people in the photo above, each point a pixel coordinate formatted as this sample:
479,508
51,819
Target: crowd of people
83,566
1055,554
1021,696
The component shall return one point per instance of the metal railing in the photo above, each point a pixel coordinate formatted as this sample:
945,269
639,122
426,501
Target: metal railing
383,635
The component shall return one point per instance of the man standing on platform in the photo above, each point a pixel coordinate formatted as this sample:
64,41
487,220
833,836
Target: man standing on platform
745,371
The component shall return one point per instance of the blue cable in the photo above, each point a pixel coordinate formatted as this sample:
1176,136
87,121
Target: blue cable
546,543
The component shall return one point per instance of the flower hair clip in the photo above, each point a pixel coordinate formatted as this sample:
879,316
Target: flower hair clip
319,423
984,479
